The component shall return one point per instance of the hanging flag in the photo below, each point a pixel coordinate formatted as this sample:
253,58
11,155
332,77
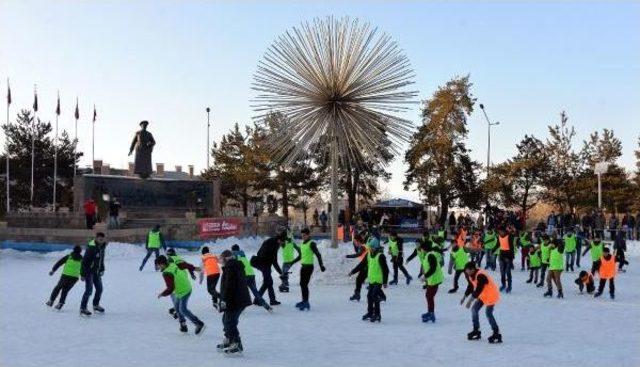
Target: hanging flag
58,105
8,93
95,114
77,110
35,101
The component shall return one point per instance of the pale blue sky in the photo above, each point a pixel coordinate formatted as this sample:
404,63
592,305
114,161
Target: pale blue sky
167,61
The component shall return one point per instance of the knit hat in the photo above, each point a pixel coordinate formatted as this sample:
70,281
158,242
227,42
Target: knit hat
374,243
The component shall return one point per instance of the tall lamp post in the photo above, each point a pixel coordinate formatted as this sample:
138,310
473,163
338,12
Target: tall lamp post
208,132
489,124
599,169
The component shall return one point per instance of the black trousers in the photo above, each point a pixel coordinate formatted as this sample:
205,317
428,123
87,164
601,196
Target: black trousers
612,286
305,277
230,325
267,282
212,282
543,271
398,264
595,266
374,296
456,277
590,286
63,287
360,278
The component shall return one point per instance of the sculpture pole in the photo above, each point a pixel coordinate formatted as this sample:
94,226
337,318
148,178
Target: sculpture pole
334,192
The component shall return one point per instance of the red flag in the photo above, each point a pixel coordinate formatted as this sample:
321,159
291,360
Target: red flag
77,110
95,114
35,101
58,105
8,93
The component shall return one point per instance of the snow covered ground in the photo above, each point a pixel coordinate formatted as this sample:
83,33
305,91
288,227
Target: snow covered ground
137,331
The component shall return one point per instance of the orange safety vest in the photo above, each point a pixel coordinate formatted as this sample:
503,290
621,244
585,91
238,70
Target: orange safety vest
607,268
364,253
475,242
504,243
490,294
587,279
462,237
210,264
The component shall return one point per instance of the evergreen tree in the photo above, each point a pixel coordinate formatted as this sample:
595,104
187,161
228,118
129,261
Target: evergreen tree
439,161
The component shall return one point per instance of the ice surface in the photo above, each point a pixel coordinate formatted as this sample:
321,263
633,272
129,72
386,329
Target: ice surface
137,330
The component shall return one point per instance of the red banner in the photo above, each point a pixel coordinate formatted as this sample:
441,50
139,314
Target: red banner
216,227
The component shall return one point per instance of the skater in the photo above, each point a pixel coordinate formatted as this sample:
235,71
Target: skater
433,277
395,250
91,270
570,245
422,243
235,298
375,265
607,271
585,280
485,293
361,249
506,255
477,251
490,242
545,249
179,288
534,265
595,250
211,269
155,240
308,249
460,259
250,277
556,266
525,247
265,258
69,277
289,249
620,247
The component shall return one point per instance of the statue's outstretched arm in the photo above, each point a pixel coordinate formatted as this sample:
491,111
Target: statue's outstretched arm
133,144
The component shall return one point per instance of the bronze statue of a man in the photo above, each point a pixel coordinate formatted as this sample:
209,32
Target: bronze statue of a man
143,144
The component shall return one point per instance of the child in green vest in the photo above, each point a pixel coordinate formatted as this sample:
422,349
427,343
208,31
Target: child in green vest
534,264
289,250
308,249
418,251
154,241
361,250
69,277
570,245
460,259
375,265
595,249
249,272
433,277
524,241
545,249
178,286
556,266
396,245
490,241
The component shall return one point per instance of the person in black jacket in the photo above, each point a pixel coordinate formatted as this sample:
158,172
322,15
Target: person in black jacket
91,272
69,277
267,257
234,299
506,256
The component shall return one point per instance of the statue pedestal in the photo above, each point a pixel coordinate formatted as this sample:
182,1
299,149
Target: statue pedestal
148,198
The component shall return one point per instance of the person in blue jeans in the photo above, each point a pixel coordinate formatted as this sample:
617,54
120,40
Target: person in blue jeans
234,299
91,271
250,277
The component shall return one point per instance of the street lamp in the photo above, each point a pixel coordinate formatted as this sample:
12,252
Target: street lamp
208,140
489,124
599,169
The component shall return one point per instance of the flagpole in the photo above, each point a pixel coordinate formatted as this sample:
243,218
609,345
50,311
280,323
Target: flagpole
33,139
55,155
7,147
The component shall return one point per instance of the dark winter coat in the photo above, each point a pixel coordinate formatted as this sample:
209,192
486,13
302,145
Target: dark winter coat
93,260
233,287
267,255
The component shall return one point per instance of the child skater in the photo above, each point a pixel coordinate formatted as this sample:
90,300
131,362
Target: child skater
606,272
289,251
433,277
534,264
485,293
460,259
69,277
212,271
375,264
556,266
585,280
396,245
361,249
308,249
250,276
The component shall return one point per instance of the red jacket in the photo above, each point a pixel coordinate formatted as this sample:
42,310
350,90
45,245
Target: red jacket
89,207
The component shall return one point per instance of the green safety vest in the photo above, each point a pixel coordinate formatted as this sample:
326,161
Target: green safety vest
393,247
72,267
306,253
438,276
176,259
421,254
524,242
490,240
460,258
570,243
441,233
288,251
534,259
248,269
556,260
154,239
374,270
181,282
596,251
544,252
